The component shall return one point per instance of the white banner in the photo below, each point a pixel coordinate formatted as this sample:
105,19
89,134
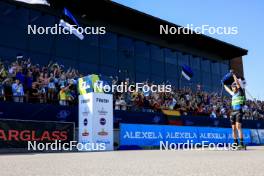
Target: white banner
42,2
103,119
261,136
97,110
254,136
85,119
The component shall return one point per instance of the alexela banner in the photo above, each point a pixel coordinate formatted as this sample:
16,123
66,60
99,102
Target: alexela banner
261,136
152,135
96,120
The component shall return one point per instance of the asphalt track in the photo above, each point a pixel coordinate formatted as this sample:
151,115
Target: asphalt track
144,162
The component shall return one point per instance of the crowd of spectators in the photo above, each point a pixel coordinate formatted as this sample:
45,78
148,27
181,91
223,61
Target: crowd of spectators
22,81
188,102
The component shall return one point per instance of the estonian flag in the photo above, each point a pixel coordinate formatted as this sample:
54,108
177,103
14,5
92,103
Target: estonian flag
227,79
70,24
187,72
41,2
242,82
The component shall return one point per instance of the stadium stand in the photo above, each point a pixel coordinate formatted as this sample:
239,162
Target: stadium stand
22,81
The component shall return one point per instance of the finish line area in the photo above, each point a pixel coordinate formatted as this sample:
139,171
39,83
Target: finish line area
137,162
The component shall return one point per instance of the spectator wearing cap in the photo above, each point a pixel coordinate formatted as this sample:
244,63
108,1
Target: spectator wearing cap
63,96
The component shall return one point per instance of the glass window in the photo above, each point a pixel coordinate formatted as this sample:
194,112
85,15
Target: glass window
67,46
108,57
215,67
14,32
205,65
125,43
157,79
91,40
206,79
108,40
41,19
86,68
42,59
9,54
11,12
156,53
184,83
126,64
183,59
125,73
172,70
196,76
157,68
142,49
170,60
67,63
195,62
42,43
224,68
170,53
172,81
216,79
141,77
108,71
142,65
170,57
89,54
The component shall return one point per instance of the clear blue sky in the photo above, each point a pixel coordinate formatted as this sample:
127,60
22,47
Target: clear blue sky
247,15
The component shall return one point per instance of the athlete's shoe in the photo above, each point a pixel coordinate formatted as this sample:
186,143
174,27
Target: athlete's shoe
241,147
234,147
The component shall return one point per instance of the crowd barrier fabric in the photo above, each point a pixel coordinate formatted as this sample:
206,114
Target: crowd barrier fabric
151,135
49,112
17,133
261,136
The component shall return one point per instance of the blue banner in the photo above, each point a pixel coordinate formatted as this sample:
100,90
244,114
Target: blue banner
246,136
51,112
152,135
213,135
261,136
254,136
139,118
179,134
142,135
219,122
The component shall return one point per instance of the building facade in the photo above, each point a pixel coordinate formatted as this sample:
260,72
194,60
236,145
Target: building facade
122,51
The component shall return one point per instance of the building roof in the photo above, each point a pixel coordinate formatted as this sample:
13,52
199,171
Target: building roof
113,13
148,24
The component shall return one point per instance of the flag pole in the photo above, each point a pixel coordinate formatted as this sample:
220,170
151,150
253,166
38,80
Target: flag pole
222,89
254,100
180,81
